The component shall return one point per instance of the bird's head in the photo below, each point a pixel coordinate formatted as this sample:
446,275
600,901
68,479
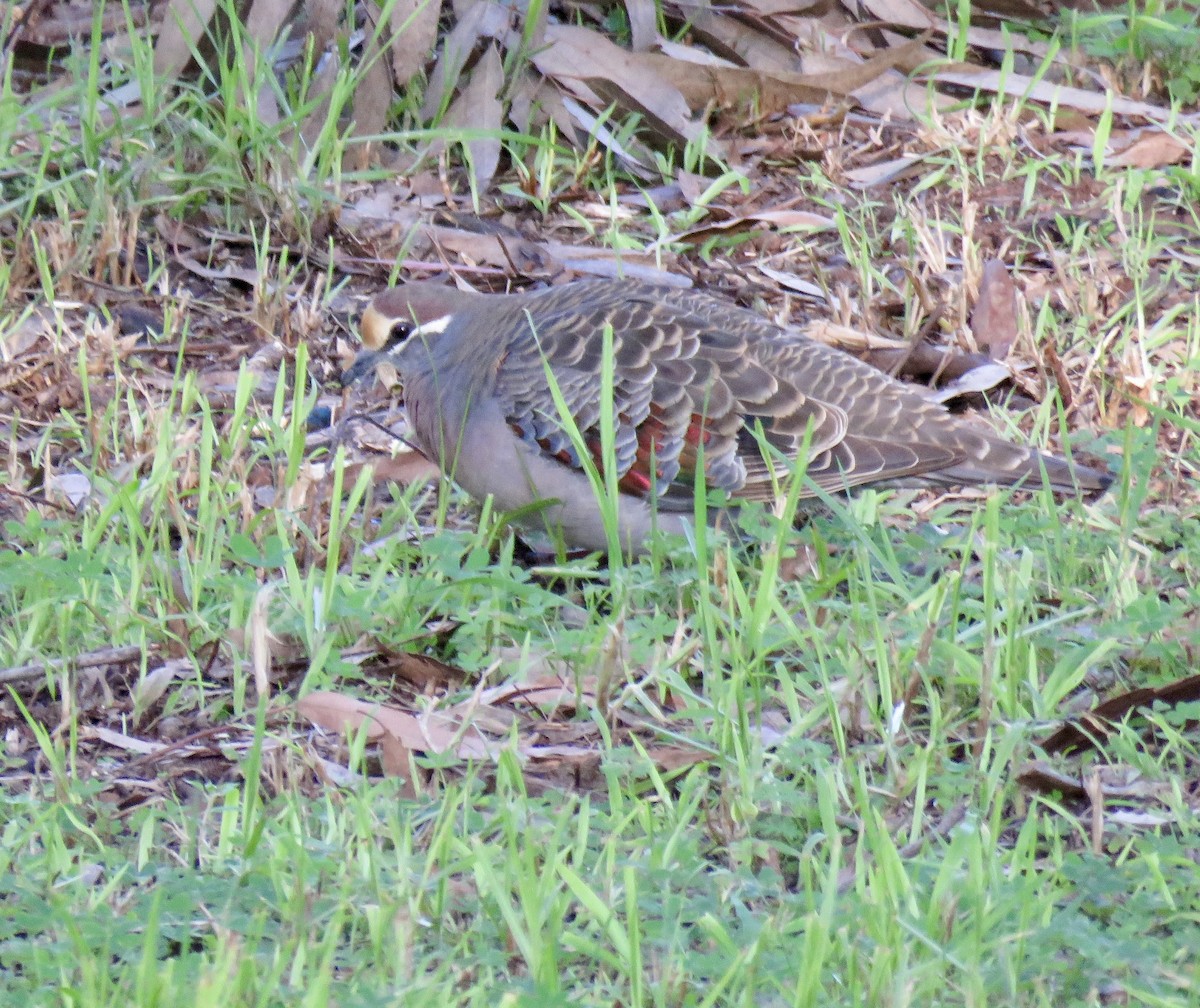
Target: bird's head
421,309
413,309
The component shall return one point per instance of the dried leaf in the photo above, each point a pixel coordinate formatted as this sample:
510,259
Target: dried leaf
1041,777
978,379
149,688
575,55
477,109
912,14
770,220
119,740
230,271
432,732
792,282
1084,732
1154,149
550,690
183,24
742,43
372,97
338,713
71,487
413,25
484,19
396,759
890,171
258,632
631,156
690,54
671,758
643,23
994,320
1012,85
265,22
771,91
773,7
425,672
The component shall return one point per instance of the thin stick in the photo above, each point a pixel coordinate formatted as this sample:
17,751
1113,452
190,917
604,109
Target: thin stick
105,656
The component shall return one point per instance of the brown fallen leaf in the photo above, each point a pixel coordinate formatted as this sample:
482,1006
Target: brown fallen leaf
413,32
396,759
335,712
483,19
477,111
768,220
576,55
231,271
1041,777
994,318
1024,87
403,469
914,15
1154,149
741,43
670,758
643,23
433,731
183,25
1092,728
769,92
425,672
373,98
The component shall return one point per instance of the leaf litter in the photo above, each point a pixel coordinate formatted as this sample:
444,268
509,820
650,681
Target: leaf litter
757,85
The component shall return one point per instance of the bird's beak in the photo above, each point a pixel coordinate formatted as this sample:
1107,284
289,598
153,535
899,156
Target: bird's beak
363,364
374,329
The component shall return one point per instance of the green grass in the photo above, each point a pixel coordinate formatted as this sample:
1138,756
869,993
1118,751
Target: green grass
1159,36
849,827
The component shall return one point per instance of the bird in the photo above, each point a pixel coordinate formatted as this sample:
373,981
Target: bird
696,383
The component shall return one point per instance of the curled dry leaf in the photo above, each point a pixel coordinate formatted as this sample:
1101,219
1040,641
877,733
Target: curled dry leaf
1092,728
977,379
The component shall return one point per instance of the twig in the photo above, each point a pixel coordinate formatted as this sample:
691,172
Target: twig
105,656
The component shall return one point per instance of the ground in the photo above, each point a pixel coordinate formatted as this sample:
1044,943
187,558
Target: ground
289,720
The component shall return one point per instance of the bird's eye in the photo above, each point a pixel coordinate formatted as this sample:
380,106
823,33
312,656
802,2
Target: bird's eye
400,331
382,331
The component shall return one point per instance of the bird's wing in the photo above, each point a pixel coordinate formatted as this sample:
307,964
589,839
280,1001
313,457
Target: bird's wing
690,376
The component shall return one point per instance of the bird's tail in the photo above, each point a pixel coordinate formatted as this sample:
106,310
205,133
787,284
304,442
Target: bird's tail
1012,464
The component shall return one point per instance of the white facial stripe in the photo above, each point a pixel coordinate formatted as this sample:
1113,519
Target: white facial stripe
434,328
